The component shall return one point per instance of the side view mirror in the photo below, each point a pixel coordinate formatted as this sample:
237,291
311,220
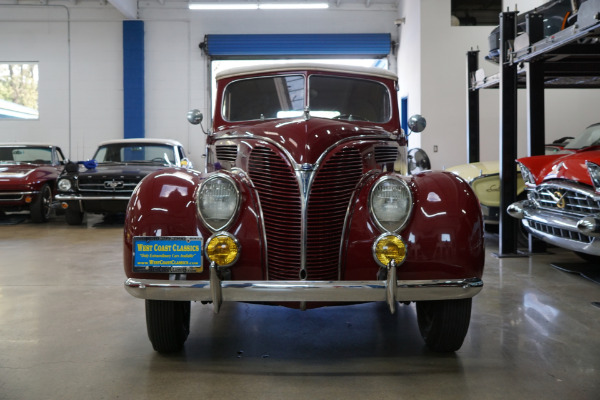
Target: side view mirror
417,123
194,117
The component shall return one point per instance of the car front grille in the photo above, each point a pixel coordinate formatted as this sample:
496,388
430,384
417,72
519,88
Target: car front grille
559,232
570,199
227,152
104,186
275,181
386,154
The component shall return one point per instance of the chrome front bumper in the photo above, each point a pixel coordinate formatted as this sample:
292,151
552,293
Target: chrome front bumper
217,291
77,197
558,229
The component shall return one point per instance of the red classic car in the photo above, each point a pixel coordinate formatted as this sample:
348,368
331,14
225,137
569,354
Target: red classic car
28,175
563,200
305,202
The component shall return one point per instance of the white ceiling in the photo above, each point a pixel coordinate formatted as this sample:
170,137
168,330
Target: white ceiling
130,8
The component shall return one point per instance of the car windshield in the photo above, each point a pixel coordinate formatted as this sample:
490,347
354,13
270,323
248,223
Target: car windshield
135,153
344,98
589,137
30,155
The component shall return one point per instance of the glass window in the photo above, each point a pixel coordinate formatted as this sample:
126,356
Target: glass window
349,99
264,98
31,155
135,153
19,91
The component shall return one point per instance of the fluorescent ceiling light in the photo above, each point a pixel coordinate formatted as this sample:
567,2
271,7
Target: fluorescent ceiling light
292,6
255,6
222,6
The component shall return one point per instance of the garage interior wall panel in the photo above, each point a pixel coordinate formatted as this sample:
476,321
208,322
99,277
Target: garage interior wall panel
167,87
96,85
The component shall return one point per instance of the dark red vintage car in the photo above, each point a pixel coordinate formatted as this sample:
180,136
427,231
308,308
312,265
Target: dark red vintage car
563,200
305,202
28,175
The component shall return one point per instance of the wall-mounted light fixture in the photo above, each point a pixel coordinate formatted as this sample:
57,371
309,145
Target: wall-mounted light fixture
256,6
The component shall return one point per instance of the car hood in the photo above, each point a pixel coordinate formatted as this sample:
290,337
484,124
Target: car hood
474,170
305,140
16,170
569,167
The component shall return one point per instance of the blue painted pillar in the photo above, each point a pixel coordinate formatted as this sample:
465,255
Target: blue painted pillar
133,80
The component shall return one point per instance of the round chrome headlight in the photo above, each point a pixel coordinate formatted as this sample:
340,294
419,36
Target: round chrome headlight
64,185
390,203
218,201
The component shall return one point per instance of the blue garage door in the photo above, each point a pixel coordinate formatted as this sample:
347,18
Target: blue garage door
371,45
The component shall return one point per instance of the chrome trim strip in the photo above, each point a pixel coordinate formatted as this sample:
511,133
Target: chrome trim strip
279,291
74,197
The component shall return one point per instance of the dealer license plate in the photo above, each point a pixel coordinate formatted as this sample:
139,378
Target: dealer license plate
167,254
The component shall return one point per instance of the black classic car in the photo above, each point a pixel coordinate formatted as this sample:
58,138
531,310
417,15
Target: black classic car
28,175
104,184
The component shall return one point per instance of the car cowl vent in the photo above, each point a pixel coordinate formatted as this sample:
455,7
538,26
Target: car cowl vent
227,152
386,154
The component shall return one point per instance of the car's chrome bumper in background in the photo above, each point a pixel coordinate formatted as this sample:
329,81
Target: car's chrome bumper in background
559,229
217,291
77,197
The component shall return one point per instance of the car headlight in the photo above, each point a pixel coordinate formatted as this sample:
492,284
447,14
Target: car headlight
223,249
64,185
218,201
527,175
594,171
389,247
390,203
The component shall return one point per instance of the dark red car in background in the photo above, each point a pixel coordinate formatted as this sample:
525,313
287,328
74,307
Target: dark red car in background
28,174
305,202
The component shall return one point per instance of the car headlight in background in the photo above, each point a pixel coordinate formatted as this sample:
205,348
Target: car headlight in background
526,174
218,201
390,203
594,171
64,185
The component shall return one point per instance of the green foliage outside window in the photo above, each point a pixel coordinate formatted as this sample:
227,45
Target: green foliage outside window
19,90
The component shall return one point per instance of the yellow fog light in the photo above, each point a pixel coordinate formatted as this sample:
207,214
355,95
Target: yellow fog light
222,248
389,247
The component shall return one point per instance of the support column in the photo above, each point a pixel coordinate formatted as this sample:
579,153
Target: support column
508,135
473,126
536,125
133,80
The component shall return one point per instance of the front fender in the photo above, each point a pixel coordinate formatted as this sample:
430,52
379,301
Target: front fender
163,204
444,235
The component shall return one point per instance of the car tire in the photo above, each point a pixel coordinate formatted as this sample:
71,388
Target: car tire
73,217
444,323
168,324
40,208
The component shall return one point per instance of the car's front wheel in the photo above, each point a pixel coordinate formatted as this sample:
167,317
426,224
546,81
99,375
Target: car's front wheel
73,217
444,323
40,207
168,324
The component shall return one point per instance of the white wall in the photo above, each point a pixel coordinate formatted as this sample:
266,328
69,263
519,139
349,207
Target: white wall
79,52
81,88
442,91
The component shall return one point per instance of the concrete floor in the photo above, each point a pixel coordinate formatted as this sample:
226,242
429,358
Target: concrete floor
68,330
